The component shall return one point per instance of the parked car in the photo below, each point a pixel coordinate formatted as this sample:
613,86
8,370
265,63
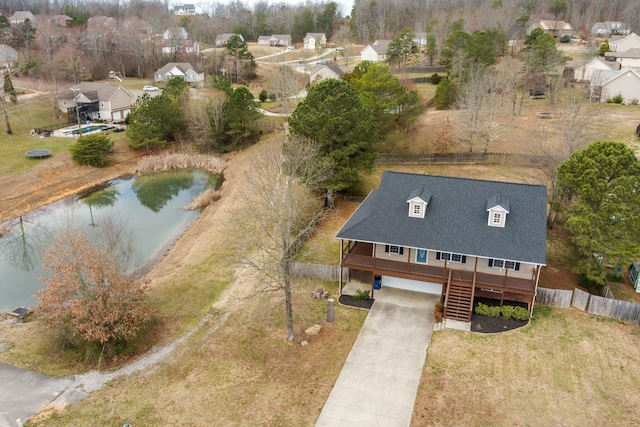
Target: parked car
322,62
340,48
150,88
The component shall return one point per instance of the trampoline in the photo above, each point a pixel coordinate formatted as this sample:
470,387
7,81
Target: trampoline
38,154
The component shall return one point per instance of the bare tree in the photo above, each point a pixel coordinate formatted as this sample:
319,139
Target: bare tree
570,130
204,117
283,83
471,97
281,207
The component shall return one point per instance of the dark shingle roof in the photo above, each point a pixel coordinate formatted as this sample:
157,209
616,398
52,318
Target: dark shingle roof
456,218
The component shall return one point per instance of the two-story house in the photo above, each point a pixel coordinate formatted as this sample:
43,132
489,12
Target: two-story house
610,28
314,41
20,16
96,101
460,238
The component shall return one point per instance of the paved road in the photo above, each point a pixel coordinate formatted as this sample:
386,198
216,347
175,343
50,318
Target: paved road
24,393
379,380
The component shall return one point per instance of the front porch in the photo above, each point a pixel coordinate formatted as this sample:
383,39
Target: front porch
459,286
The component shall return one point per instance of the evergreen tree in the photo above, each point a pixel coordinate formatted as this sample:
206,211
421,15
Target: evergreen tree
9,89
344,130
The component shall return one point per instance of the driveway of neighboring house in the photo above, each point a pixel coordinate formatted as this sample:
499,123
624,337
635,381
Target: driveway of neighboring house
379,380
24,393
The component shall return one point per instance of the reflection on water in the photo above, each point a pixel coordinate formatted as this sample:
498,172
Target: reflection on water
149,206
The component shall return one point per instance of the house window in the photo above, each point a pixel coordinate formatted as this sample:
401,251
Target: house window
102,103
447,256
417,209
496,218
64,102
500,263
421,256
393,249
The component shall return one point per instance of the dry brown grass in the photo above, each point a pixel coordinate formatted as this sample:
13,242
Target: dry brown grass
243,374
203,200
180,161
565,369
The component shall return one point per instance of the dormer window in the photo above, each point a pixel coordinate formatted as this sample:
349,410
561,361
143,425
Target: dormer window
498,208
418,201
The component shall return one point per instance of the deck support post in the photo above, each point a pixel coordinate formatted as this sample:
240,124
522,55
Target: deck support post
341,258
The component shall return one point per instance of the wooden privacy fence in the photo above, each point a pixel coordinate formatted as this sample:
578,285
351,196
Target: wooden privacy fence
330,273
453,158
592,304
554,297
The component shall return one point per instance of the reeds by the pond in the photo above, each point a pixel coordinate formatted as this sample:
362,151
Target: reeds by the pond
180,161
203,200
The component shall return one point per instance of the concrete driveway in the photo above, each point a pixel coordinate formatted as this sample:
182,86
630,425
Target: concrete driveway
24,393
379,381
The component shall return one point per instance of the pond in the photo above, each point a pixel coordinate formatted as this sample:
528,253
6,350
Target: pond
149,207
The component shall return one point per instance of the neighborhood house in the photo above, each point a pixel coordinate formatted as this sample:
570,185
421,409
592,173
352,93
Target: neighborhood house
183,70
459,238
96,101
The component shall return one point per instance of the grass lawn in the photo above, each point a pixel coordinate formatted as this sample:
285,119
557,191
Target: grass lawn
243,374
565,369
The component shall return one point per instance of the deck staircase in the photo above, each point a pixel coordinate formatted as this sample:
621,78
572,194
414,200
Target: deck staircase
458,304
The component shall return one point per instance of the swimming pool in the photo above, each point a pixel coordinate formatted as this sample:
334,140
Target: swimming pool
88,128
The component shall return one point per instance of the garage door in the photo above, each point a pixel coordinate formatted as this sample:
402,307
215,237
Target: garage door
412,285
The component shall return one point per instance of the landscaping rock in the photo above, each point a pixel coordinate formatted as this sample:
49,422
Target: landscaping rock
313,330
320,293
304,343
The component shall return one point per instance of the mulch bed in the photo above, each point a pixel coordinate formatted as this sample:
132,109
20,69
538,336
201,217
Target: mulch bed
350,301
491,325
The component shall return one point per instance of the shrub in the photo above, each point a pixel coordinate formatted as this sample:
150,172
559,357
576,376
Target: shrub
438,312
506,311
361,295
617,99
263,96
435,78
520,313
482,309
92,150
565,39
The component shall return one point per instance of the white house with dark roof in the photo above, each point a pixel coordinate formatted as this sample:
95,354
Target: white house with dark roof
460,238
376,51
610,28
184,10
314,41
96,101
183,70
